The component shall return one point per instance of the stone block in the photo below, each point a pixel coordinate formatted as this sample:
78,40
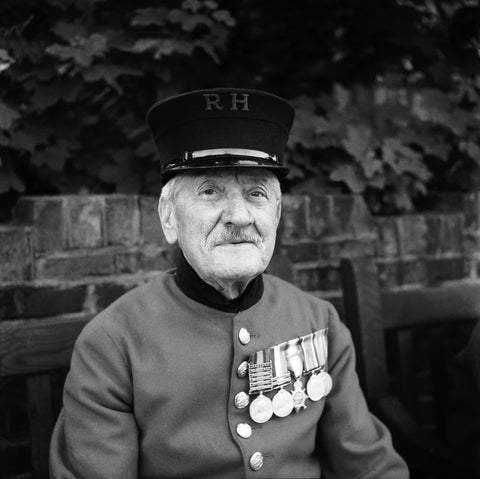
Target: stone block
471,210
412,233
46,215
387,245
16,253
35,300
156,258
281,266
320,212
388,273
333,248
444,233
299,251
412,271
122,220
106,293
318,278
126,262
75,264
86,221
446,269
293,224
447,203
350,216
471,242
150,228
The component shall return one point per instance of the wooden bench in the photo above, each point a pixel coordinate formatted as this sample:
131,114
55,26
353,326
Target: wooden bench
406,341
35,349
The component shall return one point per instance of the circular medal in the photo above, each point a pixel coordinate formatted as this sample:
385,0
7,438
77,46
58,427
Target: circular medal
315,388
282,403
261,409
327,382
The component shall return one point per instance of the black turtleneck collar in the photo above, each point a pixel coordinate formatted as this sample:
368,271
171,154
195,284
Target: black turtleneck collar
195,288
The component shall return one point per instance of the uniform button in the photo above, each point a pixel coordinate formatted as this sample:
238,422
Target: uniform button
244,336
244,430
241,400
242,369
256,461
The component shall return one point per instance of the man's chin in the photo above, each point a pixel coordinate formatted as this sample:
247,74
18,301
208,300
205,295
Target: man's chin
238,266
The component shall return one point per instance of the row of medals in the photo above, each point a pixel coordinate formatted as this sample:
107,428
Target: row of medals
275,367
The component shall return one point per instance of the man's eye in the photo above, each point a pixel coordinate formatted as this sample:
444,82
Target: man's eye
258,194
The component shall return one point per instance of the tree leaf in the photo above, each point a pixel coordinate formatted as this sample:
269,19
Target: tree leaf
50,94
53,156
163,47
402,159
358,141
194,5
189,21
7,116
150,16
351,175
378,181
110,173
145,44
225,17
9,180
82,50
472,149
5,60
67,31
109,73
309,129
146,148
22,140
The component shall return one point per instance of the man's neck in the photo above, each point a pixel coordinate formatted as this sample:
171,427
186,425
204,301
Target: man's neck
230,289
208,294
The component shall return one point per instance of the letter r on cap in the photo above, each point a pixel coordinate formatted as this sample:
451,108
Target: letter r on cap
212,99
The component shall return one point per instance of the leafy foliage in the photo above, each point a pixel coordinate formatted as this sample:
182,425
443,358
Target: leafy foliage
393,144
80,76
387,92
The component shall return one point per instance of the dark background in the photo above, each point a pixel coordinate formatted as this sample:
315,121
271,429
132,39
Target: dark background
386,91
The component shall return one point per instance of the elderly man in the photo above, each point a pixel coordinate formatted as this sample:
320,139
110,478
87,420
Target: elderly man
215,369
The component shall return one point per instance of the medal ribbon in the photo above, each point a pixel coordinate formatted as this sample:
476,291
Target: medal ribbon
281,375
270,368
260,375
320,344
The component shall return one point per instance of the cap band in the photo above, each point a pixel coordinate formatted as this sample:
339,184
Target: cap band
192,155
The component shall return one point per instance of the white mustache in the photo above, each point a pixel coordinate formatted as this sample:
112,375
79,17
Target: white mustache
236,235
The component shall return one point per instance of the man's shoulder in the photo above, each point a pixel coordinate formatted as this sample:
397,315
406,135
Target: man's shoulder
281,287
135,306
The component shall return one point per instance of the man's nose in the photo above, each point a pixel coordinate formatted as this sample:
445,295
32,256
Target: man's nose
236,211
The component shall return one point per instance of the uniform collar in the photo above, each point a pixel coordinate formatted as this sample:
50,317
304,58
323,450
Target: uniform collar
195,288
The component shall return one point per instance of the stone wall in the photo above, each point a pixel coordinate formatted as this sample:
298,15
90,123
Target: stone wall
68,254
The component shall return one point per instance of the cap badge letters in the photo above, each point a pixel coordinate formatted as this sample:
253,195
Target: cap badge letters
276,367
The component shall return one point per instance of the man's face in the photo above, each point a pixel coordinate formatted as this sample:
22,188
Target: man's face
225,221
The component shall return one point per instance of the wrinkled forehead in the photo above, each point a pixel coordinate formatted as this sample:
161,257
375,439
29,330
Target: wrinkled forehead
237,175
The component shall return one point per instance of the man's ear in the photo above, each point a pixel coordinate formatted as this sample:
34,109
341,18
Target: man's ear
168,220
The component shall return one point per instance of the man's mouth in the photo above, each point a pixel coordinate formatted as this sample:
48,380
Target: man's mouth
236,243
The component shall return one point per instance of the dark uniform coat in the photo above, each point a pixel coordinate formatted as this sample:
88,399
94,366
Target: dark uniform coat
152,387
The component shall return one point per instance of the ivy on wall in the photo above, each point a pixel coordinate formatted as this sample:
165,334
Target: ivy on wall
387,92
80,76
